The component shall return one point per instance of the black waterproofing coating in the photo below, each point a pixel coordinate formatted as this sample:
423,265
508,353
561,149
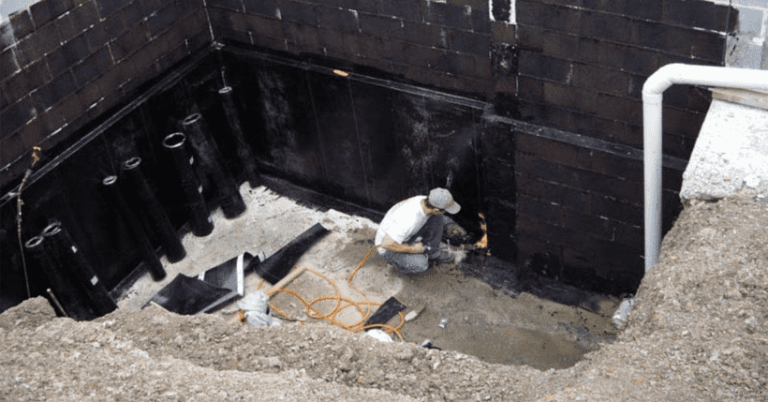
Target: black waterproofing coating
143,200
199,217
74,263
113,197
70,298
277,266
244,151
211,165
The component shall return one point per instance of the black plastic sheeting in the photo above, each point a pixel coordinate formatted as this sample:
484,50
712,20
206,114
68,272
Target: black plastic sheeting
277,266
207,291
387,310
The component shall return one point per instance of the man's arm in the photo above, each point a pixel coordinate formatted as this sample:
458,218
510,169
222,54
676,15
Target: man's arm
390,244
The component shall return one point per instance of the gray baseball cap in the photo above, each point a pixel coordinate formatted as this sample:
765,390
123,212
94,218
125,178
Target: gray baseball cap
442,198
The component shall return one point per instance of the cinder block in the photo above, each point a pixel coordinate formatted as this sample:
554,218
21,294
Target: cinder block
6,36
92,67
448,15
67,55
540,66
706,45
600,79
17,115
37,44
305,36
132,40
21,23
298,12
11,147
404,9
32,134
132,14
424,34
66,111
626,211
545,15
47,10
56,90
506,33
475,4
264,7
104,32
337,18
199,40
8,64
619,108
36,74
604,26
543,210
333,41
233,5
365,6
172,57
162,20
108,7
77,20
684,122
468,42
481,21
375,25
692,14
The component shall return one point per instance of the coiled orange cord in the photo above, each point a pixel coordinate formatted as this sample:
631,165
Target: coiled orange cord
364,307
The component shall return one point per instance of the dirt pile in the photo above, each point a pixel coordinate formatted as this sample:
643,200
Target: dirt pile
697,332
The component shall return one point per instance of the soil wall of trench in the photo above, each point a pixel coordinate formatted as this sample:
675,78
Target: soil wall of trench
697,332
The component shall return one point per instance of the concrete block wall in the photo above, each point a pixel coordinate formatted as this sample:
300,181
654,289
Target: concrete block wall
63,63
747,47
443,44
582,64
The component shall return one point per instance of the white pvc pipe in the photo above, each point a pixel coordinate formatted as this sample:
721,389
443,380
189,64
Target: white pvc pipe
653,90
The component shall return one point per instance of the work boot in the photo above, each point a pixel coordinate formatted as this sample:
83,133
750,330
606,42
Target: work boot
442,256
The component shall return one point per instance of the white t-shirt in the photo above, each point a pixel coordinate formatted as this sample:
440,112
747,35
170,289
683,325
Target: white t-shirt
402,221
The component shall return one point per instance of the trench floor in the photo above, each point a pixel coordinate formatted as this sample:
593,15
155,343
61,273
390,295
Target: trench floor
490,322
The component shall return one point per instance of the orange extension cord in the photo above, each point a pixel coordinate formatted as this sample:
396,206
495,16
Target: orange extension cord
364,307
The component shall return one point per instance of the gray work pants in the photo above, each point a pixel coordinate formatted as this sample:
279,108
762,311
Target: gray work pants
431,234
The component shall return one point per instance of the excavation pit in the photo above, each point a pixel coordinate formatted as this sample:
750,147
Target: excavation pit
506,325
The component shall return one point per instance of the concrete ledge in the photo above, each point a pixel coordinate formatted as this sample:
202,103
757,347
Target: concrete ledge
730,155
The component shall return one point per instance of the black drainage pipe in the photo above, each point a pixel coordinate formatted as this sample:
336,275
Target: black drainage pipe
73,261
199,218
244,151
66,292
116,202
143,199
210,159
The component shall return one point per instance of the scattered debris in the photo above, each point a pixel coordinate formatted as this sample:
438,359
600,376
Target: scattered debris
443,323
379,335
389,309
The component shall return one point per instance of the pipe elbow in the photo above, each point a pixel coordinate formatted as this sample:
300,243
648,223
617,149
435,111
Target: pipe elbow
662,79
